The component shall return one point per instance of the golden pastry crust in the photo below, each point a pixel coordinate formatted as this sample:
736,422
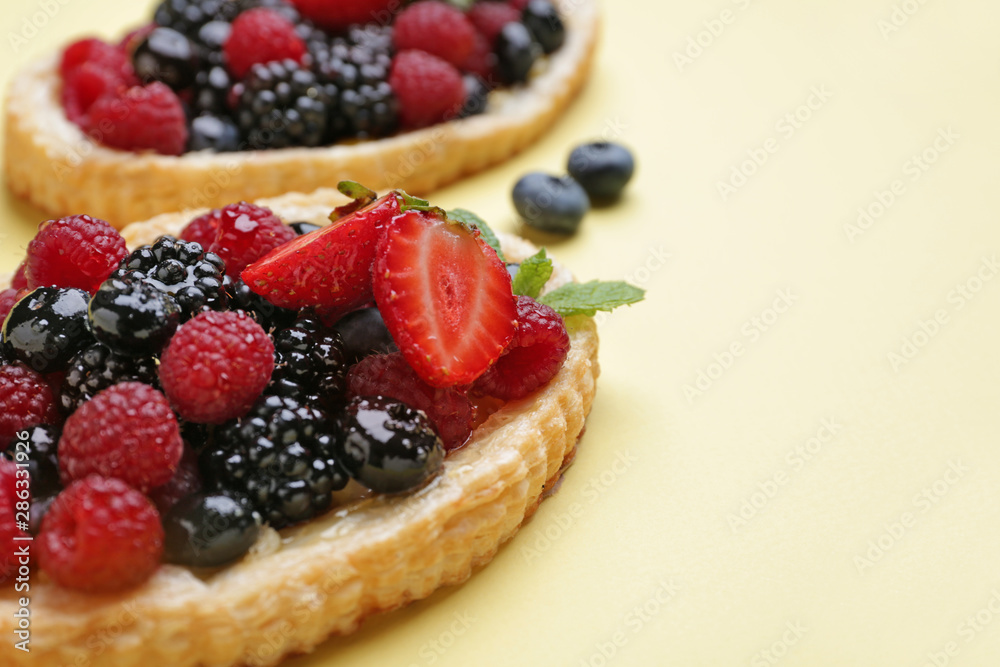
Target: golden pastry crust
324,578
49,161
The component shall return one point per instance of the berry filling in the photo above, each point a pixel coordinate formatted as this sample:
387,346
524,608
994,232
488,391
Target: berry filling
231,75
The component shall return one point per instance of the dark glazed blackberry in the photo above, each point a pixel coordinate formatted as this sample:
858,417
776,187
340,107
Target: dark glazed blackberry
43,465
181,269
281,455
388,446
47,327
210,94
97,367
268,315
188,16
281,104
168,56
309,364
209,530
133,317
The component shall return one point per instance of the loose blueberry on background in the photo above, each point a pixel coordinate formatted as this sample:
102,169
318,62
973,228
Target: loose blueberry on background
516,52
602,168
543,20
209,530
47,327
133,316
550,203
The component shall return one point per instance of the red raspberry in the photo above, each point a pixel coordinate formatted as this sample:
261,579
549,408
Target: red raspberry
99,53
8,298
437,28
100,536
140,118
11,493
202,230
481,61
85,85
338,15
19,281
260,36
216,366
26,400
186,480
128,432
429,89
245,234
490,18
389,375
77,251
534,356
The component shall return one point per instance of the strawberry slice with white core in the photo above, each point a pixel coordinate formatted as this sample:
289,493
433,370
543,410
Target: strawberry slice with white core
445,297
329,268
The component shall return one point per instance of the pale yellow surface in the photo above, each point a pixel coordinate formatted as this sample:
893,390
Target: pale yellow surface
881,546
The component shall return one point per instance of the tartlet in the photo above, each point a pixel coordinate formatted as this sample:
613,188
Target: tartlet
324,578
52,163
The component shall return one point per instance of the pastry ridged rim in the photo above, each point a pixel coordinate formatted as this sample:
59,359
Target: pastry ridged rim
50,162
371,556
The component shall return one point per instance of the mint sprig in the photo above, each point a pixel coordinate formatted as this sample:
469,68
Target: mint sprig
532,275
588,298
472,220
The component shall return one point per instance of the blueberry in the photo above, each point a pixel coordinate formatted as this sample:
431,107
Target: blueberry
364,332
516,52
168,56
133,317
477,95
550,203
543,20
602,168
47,327
214,133
209,530
388,446
301,228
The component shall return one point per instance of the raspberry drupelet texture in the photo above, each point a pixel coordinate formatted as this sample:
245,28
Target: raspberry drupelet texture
260,36
100,535
128,432
8,298
429,89
75,251
26,400
339,15
449,409
534,356
203,229
245,233
11,492
216,366
141,118
437,28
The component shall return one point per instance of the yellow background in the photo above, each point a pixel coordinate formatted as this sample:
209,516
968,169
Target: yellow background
841,559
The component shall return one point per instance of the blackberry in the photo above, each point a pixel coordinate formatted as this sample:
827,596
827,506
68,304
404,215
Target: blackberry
267,315
47,327
209,530
181,269
388,446
358,69
97,367
309,364
214,133
133,316
281,455
210,94
281,104
188,16
168,56
43,466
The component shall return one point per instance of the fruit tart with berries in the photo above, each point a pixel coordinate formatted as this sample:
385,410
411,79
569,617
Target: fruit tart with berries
229,435
215,101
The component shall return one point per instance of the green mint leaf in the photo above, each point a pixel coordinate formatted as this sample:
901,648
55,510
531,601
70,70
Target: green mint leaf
472,220
588,298
532,275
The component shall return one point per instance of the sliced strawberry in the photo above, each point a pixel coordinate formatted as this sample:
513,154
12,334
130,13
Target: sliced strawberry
330,268
445,297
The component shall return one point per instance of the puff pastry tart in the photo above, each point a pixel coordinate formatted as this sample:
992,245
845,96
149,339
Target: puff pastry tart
183,114
230,455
